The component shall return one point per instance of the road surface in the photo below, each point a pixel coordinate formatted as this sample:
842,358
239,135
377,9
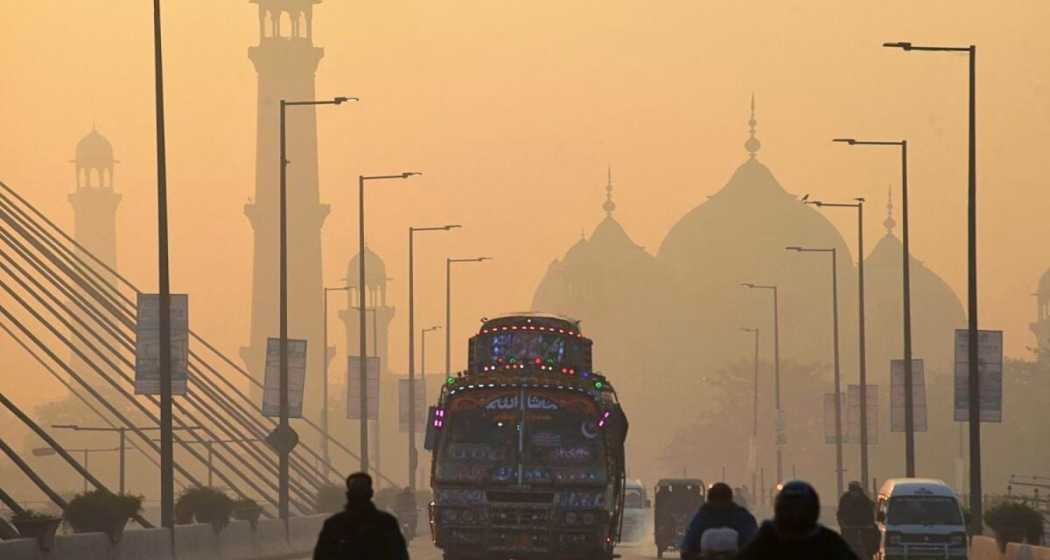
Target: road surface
421,549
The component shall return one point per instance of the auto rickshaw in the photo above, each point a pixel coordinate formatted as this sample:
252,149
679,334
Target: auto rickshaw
677,500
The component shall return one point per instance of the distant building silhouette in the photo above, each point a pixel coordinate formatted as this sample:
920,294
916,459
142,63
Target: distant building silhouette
286,60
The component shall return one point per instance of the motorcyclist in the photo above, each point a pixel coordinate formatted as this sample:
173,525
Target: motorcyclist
718,512
856,516
794,532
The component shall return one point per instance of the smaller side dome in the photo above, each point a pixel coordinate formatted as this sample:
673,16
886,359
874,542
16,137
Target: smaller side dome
94,151
375,271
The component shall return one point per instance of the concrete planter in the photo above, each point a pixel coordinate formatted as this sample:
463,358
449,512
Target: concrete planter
43,530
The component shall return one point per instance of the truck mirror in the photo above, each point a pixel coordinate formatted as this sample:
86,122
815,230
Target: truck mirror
435,424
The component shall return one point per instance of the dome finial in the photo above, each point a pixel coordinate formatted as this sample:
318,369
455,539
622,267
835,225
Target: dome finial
889,222
609,205
752,145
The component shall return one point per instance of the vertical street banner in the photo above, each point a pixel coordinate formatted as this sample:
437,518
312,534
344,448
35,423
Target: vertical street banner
353,388
403,404
829,415
989,375
147,344
871,394
918,395
296,378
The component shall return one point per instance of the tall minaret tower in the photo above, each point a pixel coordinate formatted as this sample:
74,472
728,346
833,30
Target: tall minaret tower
94,202
95,209
285,60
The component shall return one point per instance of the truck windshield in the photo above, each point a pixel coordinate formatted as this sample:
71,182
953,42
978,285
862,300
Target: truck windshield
924,510
563,444
482,441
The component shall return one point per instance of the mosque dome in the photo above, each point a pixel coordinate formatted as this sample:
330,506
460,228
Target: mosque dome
739,236
94,150
375,271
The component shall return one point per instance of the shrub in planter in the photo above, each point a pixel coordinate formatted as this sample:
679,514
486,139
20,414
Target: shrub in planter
247,509
209,505
36,525
102,511
1015,522
330,498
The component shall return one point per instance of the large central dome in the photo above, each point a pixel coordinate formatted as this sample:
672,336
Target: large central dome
738,235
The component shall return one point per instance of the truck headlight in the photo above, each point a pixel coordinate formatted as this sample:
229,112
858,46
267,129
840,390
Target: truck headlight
588,518
570,518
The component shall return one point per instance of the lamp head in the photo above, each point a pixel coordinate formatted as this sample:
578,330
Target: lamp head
850,141
451,226
340,100
793,248
483,259
860,199
898,45
408,174
747,284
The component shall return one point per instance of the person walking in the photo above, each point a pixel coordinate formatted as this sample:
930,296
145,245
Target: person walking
360,531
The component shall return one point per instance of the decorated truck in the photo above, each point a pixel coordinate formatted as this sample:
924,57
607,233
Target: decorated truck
528,447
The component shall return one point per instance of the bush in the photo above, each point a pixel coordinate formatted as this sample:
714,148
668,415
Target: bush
208,505
330,498
246,509
1015,522
101,511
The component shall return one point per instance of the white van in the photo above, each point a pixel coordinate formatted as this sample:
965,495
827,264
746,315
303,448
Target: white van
637,513
919,518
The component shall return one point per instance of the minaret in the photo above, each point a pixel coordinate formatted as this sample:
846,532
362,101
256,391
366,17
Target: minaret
94,211
378,317
285,60
752,144
609,206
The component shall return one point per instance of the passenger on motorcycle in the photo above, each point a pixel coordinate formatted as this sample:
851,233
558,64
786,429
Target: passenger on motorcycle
856,517
794,533
720,526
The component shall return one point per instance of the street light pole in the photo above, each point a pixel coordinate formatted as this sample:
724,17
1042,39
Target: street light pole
909,412
835,336
285,437
324,390
362,325
448,309
976,505
776,373
862,339
422,372
413,458
754,410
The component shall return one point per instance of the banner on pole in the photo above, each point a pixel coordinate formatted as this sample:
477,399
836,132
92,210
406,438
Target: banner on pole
296,378
829,416
147,344
781,429
752,454
353,388
421,404
989,375
871,394
918,395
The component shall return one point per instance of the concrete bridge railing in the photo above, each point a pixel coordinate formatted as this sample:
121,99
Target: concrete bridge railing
268,540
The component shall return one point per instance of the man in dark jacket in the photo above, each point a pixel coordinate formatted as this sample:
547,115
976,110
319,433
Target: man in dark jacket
794,532
718,511
360,532
856,518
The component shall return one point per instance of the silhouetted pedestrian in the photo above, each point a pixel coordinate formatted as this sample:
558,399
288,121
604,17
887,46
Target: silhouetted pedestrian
794,532
360,532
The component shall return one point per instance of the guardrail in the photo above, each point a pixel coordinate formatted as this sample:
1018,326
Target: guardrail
269,539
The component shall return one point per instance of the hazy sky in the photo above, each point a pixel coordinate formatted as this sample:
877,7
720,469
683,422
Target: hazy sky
513,110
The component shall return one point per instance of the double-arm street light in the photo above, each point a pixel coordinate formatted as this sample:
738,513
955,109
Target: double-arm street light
412,451
448,308
324,389
47,452
422,375
862,341
361,179
752,449
835,338
122,448
283,436
776,373
909,413
974,385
